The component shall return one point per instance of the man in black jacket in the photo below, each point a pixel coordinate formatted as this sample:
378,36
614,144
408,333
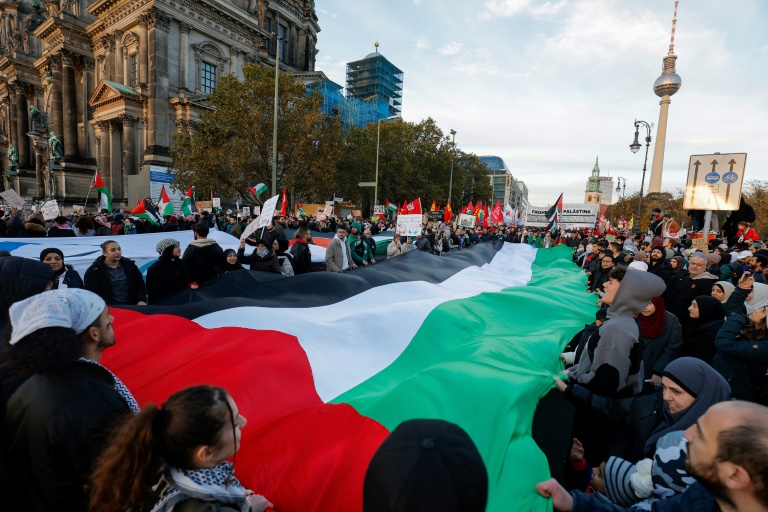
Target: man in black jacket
202,258
58,420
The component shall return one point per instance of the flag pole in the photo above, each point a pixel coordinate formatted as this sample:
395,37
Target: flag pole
93,180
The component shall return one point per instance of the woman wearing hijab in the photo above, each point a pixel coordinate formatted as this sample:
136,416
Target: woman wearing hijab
742,343
167,276
722,291
677,263
662,338
707,315
280,246
64,276
688,388
757,298
230,261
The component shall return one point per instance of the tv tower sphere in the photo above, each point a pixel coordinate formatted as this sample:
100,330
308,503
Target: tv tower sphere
669,82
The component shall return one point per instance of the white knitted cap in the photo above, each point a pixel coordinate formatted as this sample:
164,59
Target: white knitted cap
67,307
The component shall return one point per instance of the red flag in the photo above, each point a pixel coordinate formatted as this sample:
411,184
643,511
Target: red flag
464,210
433,208
414,207
403,210
470,208
497,216
284,208
486,214
448,215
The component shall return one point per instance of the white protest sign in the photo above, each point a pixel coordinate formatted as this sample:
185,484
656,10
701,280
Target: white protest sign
12,198
262,220
467,221
379,209
216,202
257,210
409,225
246,211
268,211
50,210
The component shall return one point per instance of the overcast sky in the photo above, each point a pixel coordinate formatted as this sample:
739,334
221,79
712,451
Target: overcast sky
549,85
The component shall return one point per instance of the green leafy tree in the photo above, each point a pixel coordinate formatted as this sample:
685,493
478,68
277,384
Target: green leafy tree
231,147
755,193
414,161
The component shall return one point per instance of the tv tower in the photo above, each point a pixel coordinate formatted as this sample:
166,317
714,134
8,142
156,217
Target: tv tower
665,86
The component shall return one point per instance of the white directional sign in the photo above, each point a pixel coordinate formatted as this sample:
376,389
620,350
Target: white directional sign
714,181
367,184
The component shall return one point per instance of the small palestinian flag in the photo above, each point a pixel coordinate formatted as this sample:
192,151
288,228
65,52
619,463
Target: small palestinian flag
165,204
105,198
554,213
300,210
391,207
257,190
186,205
146,211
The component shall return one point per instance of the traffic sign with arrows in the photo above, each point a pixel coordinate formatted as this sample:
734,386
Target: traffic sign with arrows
707,193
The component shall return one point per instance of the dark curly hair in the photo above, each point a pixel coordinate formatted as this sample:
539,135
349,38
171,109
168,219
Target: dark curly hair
44,351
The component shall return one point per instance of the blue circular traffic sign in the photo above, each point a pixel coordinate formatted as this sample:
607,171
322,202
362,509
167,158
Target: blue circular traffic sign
712,178
730,177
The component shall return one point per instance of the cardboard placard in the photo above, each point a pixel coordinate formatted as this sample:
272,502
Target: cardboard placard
467,221
246,211
409,225
50,210
12,198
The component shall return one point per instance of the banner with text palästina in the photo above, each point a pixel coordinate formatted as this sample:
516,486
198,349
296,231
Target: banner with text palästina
575,215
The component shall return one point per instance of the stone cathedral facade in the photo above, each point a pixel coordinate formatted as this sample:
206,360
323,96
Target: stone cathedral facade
116,78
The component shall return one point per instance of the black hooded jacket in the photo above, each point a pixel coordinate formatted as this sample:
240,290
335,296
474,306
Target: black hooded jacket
165,277
97,280
268,263
202,260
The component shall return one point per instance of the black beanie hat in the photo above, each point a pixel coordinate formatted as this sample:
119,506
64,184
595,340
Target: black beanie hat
46,252
426,465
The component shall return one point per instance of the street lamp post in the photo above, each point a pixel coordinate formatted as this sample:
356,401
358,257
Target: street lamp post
635,147
450,182
378,139
623,191
274,127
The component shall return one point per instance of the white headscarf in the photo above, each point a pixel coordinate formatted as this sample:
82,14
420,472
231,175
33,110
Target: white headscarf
759,297
70,307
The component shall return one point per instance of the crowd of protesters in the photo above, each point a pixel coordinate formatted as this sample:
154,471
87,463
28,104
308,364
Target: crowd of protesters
668,383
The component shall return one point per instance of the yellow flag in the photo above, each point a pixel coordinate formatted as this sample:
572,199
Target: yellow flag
632,222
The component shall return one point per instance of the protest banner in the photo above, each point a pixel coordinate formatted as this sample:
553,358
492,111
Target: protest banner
262,220
574,215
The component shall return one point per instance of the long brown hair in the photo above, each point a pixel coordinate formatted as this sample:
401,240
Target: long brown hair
125,472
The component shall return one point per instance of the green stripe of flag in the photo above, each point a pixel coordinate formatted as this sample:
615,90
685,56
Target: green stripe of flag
484,363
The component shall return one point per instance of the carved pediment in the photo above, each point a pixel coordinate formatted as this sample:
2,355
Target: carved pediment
109,92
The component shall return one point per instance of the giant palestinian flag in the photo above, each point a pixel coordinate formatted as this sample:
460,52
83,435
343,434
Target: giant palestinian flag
325,365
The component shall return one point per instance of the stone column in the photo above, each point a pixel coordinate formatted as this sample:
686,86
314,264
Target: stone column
233,60
102,139
107,70
11,103
69,106
89,86
129,151
40,181
183,54
115,159
56,101
158,27
119,68
144,21
22,125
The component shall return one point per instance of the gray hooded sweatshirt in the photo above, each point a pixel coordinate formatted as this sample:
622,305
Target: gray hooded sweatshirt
612,362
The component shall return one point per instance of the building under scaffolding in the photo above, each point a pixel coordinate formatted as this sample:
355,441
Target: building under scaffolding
351,111
376,81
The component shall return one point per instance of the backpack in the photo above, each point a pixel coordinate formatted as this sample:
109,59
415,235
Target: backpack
359,247
286,264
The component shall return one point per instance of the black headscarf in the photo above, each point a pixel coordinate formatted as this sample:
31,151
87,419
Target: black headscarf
699,380
227,266
710,310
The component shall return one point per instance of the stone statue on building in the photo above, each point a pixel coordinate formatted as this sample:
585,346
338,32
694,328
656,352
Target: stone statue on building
54,143
13,157
253,7
38,123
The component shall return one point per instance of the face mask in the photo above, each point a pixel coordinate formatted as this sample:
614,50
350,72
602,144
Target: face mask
262,253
